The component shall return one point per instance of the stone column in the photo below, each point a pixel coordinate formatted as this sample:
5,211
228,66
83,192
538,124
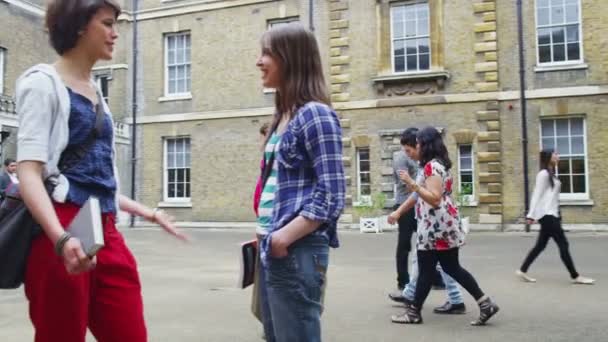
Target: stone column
340,83
489,156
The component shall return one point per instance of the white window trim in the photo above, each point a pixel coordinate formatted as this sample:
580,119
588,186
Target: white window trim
2,68
176,96
393,5
174,200
570,198
174,204
169,98
548,65
469,198
564,67
362,199
98,78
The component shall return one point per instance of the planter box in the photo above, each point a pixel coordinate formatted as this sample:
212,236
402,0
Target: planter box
369,225
466,224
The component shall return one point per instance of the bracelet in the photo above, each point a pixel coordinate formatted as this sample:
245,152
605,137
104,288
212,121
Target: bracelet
415,187
61,243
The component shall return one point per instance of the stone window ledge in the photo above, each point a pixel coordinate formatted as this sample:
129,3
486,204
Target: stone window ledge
180,97
560,67
576,203
187,204
439,76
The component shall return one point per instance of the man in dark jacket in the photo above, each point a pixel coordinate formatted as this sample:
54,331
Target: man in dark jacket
9,175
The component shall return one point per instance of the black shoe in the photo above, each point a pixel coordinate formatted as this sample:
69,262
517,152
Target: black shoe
487,309
451,309
397,295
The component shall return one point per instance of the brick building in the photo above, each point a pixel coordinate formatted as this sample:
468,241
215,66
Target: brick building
390,65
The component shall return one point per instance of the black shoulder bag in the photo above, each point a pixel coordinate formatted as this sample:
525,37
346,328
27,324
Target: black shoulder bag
17,226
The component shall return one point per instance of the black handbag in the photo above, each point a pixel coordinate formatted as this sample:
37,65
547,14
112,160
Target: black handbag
17,226
17,230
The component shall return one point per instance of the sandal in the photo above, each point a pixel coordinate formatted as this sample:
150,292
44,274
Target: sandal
487,309
410,316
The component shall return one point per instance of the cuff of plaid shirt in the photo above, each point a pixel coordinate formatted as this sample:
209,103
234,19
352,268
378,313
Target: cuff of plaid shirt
324,208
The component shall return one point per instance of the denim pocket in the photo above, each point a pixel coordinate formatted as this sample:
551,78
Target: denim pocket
281,270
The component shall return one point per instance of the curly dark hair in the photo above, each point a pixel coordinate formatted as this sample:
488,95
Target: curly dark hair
408,137
432,147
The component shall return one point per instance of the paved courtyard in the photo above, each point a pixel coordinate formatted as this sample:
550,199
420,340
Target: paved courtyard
190,294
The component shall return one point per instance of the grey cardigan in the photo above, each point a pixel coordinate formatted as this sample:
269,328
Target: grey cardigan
43,108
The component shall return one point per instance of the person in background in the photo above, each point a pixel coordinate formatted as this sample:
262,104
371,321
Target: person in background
440,233
544,208
9,176
455,303
406,223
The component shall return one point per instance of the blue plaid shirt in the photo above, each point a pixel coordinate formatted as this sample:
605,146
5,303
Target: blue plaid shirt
311,180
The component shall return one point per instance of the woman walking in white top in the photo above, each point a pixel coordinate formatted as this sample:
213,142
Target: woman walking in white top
544,208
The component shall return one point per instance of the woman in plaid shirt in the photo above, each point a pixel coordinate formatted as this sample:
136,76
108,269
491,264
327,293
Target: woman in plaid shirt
309,189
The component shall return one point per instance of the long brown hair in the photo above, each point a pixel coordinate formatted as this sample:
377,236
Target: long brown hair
296,51
545,164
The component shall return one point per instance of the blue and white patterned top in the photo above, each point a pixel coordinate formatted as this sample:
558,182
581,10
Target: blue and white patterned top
94,174
311,180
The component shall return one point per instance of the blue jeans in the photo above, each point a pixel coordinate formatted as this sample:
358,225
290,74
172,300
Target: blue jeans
454,294
264,306
294,285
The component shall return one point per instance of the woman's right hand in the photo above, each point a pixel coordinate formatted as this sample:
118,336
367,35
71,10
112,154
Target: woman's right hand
530,221
75,259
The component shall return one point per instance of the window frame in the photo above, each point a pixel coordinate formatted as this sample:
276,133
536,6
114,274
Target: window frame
362,199
166,36
468,198
286,20
581,59
428,36
98,81
575,196
166,198
2,68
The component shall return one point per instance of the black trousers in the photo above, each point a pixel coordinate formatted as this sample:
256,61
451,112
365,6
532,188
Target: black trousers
551,227
427,265
407,227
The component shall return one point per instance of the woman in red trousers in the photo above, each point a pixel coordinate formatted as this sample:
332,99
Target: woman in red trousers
60,108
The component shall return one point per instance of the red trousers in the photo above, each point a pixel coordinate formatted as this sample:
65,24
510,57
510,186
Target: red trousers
107,299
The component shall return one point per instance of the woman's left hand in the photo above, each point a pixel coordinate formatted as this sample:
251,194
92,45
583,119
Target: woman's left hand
166,221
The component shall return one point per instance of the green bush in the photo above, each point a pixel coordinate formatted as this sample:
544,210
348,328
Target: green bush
372,208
